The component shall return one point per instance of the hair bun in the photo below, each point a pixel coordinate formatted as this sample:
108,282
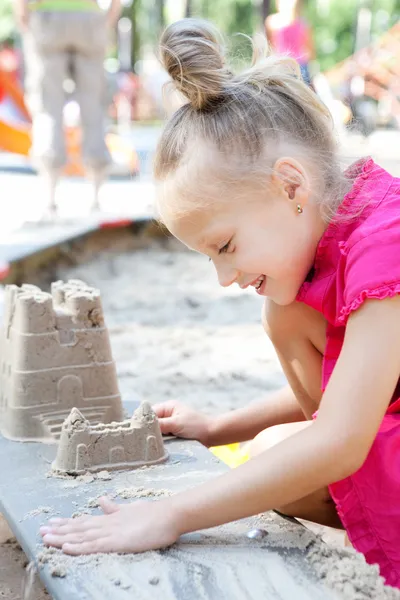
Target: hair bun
192,52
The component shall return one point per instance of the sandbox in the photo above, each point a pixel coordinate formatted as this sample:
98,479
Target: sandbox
174,333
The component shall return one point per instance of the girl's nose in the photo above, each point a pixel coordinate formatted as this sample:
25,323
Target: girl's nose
226,276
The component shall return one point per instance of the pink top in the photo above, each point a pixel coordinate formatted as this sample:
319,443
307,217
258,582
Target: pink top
358,258
292,40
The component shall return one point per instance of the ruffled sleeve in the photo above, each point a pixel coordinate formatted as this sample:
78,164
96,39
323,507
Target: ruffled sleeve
371,266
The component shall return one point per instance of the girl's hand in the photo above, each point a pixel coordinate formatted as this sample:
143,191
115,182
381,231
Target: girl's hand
123,528
177,419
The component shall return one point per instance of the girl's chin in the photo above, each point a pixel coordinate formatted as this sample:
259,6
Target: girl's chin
280,292
280,299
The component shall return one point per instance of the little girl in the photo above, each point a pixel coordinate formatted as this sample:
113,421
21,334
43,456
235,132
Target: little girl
288,33
248,175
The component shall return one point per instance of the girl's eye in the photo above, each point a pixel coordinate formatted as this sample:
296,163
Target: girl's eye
225,248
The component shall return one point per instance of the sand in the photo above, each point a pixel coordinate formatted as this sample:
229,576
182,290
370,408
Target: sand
56,346
132,443
176,334
13,562
347,573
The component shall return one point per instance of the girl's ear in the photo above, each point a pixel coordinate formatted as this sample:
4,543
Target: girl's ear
291,177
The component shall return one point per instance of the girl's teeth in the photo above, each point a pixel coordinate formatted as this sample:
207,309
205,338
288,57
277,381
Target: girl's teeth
259,283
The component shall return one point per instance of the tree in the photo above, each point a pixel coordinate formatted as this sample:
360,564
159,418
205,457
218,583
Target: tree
265,8
334,31
233,17
135,14
161,13
7,23
205,8
189,8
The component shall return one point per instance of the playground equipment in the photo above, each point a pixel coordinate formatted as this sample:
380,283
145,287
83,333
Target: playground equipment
371,78
16,137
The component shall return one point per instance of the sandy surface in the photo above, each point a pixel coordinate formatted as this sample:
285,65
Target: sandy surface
175,333
12,573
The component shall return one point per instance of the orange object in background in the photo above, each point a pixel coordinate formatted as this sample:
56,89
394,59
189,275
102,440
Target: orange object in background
17,138
9,87
115,144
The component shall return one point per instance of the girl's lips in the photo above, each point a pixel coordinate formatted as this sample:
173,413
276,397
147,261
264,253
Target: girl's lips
252,283
262,287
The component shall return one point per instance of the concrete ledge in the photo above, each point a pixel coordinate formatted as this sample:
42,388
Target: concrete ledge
42,242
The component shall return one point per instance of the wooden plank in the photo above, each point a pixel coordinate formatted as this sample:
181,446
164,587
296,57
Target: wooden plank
35,238
222,563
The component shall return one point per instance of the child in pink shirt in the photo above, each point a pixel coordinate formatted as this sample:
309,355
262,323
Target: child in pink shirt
291,35
248,174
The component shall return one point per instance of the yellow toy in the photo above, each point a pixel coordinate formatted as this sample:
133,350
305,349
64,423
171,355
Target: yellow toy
232,455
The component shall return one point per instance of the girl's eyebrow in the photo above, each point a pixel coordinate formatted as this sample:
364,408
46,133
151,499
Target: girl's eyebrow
212,241
206,244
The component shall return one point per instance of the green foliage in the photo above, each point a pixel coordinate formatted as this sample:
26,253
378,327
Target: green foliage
7,24
134,13
333,27
334,30
242,21
237,19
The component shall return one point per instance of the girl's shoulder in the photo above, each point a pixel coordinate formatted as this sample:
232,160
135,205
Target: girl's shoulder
372,205
369,245
358,256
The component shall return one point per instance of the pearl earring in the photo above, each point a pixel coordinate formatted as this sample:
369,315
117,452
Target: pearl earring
299,209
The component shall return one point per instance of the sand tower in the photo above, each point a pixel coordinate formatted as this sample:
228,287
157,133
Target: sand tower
55,355
131,443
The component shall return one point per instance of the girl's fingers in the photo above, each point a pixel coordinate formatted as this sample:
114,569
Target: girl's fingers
169,425
87,547
160,410
108,506
92,547
165,409
73,526
59,539
57,521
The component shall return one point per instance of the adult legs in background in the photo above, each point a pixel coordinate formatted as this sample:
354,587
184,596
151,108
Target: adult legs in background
91,94
46,67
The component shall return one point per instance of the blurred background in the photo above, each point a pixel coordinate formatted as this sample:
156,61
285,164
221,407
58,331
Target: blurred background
354,39
353,63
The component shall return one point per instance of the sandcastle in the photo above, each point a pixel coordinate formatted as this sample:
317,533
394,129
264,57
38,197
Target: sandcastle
130,443
55,355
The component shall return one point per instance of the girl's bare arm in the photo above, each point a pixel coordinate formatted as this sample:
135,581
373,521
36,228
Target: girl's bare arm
245,423
332,448
234,426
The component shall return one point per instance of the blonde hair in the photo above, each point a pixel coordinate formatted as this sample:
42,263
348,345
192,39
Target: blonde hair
247,118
